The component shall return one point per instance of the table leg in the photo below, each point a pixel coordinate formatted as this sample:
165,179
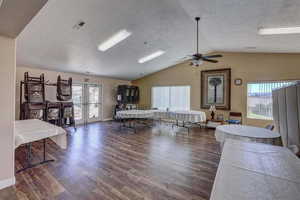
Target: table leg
28,155
28,158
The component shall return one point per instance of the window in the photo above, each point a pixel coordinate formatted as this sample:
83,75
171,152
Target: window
259,100
171,97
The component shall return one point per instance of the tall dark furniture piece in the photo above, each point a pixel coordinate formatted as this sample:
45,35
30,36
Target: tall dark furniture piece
128,94
128,97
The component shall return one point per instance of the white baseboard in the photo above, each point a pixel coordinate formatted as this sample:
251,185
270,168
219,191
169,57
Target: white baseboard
7,182
108,119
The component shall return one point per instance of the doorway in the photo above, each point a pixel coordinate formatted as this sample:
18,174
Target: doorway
87,99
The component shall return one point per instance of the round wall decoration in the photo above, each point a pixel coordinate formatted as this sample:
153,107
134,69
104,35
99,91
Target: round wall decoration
238,81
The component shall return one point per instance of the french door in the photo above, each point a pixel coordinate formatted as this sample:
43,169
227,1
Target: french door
87,99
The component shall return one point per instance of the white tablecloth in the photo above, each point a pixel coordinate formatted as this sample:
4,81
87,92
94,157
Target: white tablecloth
27,131
136,114
250,171
161,114
245,133
186,116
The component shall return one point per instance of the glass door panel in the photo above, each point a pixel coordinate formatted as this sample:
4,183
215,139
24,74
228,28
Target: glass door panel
78,100
93,111
87,102
94,104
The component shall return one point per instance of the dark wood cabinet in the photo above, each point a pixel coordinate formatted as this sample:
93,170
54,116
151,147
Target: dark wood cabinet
128,94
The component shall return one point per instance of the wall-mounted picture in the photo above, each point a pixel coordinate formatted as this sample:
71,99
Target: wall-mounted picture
215,88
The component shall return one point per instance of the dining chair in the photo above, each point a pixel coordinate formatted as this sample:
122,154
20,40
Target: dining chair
235,118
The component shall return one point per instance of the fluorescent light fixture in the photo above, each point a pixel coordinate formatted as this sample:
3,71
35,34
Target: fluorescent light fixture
276,31
113,40
151,56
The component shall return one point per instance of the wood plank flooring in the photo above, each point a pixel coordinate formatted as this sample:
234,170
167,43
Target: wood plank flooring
104,163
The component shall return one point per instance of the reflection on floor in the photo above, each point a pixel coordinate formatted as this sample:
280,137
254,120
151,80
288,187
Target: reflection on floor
102,162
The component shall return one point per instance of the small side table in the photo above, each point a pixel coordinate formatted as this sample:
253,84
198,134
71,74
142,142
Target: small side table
213,123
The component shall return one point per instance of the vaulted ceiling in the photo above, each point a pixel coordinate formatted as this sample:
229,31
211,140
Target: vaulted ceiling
51,42
16,14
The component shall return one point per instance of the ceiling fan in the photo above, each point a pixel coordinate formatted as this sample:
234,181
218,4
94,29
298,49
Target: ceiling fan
197,59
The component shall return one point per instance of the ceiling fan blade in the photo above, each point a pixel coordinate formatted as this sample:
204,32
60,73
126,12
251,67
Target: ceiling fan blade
213,56
210,60
188,57
183,59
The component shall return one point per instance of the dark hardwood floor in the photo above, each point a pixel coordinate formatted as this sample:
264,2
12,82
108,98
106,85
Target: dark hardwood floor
102,162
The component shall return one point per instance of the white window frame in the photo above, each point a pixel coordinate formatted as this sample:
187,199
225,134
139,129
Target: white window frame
189,106
261,82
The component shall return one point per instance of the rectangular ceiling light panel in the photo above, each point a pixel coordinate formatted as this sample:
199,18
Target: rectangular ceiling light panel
113,40
277,31
151,56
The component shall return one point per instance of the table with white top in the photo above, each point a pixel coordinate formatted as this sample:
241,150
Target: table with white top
187,118
246,133
130,118
28,131
182,116
135,114
250,171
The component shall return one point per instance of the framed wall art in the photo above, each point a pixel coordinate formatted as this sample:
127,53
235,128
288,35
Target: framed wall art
215,88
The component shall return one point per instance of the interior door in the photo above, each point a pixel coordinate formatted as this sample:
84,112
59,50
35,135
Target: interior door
87,100
94,107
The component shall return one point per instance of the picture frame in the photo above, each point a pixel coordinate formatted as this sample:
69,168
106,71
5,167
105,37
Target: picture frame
216,89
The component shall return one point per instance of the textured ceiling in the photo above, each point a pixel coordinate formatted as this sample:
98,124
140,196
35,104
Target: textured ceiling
16,14
49,41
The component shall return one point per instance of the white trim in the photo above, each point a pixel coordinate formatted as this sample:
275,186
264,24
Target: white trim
7,182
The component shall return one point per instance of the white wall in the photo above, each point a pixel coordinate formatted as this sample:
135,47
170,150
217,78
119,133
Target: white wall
7,110
109,86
